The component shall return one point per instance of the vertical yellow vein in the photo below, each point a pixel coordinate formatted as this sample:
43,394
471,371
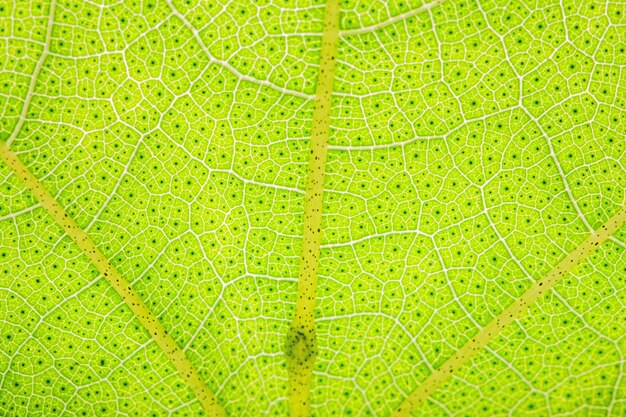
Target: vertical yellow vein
131,298
509,314
301,341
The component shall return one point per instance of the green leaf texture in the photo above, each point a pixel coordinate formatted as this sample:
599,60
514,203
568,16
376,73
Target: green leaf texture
472,146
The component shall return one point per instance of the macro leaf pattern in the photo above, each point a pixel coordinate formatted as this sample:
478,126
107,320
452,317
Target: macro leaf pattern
470,147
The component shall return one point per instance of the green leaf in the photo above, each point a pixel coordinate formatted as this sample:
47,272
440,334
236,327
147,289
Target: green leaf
271,208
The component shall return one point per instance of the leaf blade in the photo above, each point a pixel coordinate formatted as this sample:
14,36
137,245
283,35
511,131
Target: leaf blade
115,279
510,314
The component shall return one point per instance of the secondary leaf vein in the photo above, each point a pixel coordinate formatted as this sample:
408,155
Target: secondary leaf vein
510,314
178,358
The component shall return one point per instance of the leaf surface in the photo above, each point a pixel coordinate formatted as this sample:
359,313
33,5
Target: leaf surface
472,146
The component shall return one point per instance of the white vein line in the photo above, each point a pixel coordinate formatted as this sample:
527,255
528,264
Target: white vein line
33,80
229,67
559,168
390,21
110,195
20,212
617,242
374,236
460,126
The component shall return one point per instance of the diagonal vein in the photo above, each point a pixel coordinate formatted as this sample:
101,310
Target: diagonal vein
36,71
391,20
120,284
301,342
226,64
509,314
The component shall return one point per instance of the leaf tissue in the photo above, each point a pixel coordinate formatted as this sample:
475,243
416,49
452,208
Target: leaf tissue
313,208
